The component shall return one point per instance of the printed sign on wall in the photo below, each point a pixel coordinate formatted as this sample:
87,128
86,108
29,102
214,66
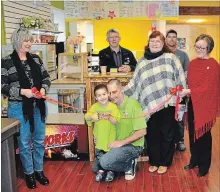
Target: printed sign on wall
121,9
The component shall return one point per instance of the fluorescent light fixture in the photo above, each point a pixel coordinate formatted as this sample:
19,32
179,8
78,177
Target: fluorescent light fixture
195,20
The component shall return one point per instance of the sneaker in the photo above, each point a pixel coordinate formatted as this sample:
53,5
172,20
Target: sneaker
152,169
68,154
180,146
162,170
129,175
100,176
110,176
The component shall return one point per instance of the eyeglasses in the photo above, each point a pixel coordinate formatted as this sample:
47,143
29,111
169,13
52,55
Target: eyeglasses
200,48
154,42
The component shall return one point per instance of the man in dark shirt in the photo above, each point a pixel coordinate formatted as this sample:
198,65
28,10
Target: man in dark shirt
116,56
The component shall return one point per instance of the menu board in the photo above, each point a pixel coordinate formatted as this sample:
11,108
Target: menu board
121,9
97,10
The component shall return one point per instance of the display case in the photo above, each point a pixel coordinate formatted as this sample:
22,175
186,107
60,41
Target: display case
72,65
47,52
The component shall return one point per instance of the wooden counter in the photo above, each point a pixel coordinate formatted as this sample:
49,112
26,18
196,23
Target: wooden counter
8,128
67,81
66,118
89,82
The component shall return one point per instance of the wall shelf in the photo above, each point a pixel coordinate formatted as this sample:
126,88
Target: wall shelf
44,32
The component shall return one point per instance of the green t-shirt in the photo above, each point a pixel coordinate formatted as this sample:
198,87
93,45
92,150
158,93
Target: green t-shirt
103,130
126,127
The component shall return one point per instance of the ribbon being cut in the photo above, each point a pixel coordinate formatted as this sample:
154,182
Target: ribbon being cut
173,91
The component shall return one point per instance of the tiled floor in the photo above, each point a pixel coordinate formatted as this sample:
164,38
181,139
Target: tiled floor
72,176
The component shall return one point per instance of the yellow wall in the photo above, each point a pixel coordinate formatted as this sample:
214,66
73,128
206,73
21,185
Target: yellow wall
3,38
213,31
191,32
133,34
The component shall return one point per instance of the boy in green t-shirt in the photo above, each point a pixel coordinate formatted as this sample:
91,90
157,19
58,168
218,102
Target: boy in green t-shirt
105,115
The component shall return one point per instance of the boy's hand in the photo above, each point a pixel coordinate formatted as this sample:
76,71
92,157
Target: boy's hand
89,118
106,116
95,117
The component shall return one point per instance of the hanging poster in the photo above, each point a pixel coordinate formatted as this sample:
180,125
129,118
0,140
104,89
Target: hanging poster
140,9
71,9
83,9
126,9
181,43
111,9
97,10
154,10
169,8
121,9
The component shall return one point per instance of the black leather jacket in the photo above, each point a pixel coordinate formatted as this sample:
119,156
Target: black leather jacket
106,58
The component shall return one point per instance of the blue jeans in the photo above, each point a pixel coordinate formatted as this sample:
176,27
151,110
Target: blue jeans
31,161
120,159
96,164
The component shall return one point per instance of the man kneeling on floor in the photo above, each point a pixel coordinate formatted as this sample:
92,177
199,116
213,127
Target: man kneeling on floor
130,132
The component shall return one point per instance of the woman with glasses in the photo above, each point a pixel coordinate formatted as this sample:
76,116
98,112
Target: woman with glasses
153,78
204,103
20,72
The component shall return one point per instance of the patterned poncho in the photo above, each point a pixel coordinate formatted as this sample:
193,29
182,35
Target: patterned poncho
153,79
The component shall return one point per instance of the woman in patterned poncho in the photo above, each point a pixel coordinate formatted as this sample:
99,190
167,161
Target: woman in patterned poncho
153,78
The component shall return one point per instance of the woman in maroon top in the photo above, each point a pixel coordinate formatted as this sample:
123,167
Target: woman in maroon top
203,106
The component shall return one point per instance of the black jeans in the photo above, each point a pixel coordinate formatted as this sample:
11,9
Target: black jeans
201,149
160,137
179,132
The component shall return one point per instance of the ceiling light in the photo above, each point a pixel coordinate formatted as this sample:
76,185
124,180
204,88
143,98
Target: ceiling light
195,20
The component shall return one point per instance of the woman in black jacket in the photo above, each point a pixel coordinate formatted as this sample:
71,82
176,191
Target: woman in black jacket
20,72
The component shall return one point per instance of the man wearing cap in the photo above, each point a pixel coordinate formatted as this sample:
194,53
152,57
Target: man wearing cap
116,56
171,42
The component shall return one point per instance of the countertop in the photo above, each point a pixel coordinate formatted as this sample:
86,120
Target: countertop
9,127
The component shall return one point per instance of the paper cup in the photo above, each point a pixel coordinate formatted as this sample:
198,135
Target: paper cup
103,69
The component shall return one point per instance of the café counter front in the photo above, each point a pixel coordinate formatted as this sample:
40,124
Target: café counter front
73,119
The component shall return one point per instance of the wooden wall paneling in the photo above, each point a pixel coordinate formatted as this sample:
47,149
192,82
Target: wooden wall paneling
15,10
199,10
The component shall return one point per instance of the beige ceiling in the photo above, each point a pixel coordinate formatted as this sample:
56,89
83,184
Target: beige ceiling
207,19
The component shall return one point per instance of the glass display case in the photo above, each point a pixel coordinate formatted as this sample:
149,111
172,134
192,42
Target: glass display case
47,52
72,65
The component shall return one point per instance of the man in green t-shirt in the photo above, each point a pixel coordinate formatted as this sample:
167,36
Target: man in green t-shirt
130,132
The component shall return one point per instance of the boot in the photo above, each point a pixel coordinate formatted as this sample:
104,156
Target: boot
40,177
30,181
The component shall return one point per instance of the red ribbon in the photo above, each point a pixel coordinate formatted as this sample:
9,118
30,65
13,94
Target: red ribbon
175,91
39,95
